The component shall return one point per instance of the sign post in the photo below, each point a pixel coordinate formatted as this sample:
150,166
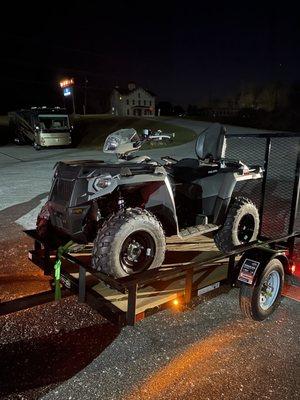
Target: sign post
68,90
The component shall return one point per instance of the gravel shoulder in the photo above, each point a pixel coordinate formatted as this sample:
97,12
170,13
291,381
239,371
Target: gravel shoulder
207,352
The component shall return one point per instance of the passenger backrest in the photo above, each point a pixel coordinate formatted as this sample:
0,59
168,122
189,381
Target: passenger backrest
211,143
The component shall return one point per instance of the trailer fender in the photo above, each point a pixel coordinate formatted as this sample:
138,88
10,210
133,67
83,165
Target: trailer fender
253,262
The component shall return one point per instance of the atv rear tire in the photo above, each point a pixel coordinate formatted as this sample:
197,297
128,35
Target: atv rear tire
131,241
241,226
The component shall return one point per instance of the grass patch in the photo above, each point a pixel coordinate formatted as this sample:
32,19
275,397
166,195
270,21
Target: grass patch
3,120
90,131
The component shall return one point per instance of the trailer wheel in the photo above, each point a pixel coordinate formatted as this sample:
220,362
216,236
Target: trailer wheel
131,241
259,301
241,225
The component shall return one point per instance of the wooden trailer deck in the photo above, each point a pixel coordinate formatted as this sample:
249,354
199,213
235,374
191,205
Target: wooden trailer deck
180,253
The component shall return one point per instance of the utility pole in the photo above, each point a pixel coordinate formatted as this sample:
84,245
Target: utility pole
73,101
85,94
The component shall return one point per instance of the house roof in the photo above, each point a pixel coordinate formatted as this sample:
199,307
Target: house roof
126,91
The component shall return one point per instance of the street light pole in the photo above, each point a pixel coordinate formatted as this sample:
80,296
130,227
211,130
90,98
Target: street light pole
68,90
73,100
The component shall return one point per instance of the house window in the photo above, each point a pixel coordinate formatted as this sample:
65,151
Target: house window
150,103
145,102
139,95
133,102
139,102
127,102
128,112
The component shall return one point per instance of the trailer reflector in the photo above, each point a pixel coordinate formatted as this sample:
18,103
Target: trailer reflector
209,288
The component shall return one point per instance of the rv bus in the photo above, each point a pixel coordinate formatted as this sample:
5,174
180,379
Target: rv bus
41,127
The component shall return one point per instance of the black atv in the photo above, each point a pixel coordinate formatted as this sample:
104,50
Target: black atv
129,206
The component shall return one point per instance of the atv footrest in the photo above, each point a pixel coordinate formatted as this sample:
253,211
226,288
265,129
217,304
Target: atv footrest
197,230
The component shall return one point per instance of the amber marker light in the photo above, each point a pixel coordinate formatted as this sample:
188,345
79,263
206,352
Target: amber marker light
175,302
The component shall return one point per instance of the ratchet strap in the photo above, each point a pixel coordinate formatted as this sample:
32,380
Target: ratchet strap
57,267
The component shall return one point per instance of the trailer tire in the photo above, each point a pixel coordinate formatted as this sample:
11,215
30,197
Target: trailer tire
254,302
131,241
241,225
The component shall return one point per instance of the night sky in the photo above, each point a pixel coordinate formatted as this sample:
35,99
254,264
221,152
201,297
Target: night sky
184,52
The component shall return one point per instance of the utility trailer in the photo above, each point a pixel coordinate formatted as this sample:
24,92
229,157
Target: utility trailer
258,268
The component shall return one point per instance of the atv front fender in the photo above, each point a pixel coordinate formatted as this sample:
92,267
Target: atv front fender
157,197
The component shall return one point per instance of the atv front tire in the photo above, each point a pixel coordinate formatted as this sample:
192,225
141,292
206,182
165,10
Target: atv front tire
241,226
131,241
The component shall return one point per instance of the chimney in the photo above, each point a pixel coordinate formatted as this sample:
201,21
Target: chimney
131,86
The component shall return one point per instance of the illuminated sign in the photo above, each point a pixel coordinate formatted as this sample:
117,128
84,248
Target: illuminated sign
67,91
66,83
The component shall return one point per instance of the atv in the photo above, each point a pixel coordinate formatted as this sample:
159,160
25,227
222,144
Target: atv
129,206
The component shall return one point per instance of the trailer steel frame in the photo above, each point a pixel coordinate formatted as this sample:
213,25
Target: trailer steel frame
41,256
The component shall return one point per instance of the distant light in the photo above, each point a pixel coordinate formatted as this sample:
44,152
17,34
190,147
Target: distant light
120,97
66,83
67,91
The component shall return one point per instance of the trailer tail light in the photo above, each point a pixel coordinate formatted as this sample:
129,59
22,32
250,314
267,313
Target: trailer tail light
294,263
293,268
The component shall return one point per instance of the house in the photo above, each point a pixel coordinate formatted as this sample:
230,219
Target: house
133,101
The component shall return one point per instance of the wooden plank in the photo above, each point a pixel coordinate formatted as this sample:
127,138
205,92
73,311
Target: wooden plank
149,297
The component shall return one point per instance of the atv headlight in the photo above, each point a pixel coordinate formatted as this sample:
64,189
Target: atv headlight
102,181
111,144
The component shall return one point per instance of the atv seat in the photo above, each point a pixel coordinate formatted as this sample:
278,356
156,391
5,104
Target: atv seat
209,149
211,144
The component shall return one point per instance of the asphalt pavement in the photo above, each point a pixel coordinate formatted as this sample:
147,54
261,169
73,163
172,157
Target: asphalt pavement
66,350
208,352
